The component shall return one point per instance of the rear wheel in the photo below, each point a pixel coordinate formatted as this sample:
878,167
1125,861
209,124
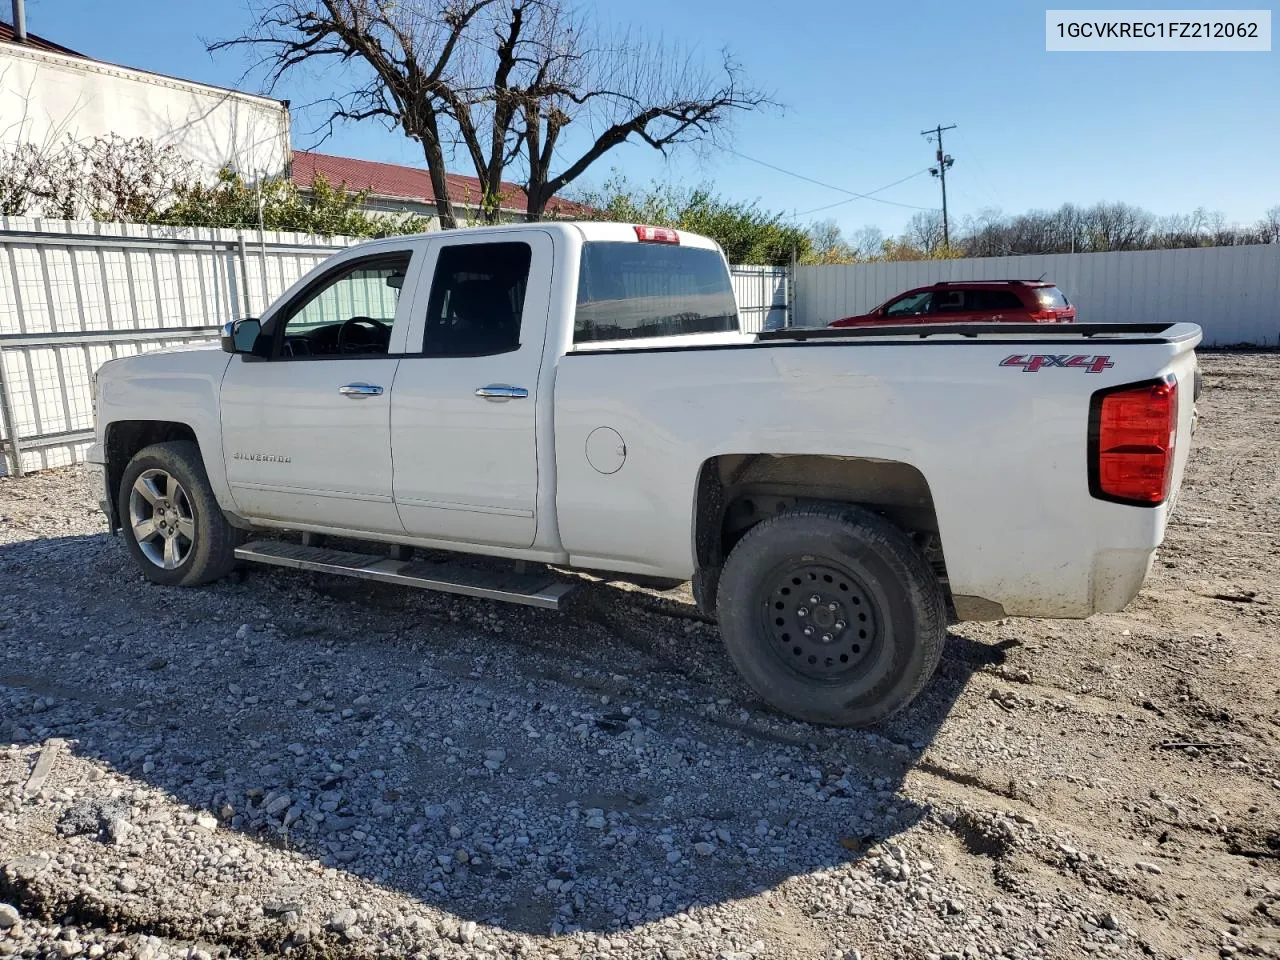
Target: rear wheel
174,528
832,615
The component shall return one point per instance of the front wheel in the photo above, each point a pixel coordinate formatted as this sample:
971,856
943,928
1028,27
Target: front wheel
832,615
173,526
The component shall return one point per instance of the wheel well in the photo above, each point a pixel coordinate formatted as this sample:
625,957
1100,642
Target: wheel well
124,439
736,492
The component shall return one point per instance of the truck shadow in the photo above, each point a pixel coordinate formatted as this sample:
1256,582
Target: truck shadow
539,772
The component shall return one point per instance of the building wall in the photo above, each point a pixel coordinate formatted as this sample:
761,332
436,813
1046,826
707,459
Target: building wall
1233,293
46,96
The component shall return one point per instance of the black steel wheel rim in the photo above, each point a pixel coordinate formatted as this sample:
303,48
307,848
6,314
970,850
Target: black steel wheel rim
822,622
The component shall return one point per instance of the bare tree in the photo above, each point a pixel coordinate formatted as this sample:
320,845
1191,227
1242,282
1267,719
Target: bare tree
43,178
130,179
827,243
924,231
981,233
500,80
1268,227
1118,226
20,178
108,178
867,243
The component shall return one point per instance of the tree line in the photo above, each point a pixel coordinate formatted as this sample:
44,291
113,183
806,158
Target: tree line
135,180
1098,228
752,234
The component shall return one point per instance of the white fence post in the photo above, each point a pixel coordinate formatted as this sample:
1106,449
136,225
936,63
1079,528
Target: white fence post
8,432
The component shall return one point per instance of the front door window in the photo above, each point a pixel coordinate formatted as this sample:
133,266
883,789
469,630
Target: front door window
909,306
349,314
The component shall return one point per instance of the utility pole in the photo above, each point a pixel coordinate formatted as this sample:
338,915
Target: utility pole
940,171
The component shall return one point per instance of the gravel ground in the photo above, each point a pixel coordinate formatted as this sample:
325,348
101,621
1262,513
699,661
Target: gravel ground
287,762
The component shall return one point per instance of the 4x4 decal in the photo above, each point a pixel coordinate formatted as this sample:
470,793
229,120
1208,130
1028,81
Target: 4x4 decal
1035,362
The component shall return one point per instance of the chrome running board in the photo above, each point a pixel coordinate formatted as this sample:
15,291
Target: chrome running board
540,589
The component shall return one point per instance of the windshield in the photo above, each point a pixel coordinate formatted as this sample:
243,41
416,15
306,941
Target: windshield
628,290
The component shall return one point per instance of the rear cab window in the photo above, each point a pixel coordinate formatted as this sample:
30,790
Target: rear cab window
636,290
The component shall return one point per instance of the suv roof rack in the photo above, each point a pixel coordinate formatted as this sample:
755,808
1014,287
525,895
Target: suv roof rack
954,283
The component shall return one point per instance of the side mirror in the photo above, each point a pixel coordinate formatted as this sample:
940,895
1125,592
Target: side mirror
239,336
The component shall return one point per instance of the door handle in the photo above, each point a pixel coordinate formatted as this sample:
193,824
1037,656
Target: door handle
499,392
357,391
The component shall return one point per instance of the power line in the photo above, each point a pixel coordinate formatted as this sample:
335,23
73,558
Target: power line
869,195
829,186
989,186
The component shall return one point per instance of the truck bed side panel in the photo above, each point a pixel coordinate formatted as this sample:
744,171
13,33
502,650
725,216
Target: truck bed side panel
1003,451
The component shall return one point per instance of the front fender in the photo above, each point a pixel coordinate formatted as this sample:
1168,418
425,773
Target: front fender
179,388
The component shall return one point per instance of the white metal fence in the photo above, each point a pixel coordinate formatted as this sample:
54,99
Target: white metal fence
764,297
74,295
1232,292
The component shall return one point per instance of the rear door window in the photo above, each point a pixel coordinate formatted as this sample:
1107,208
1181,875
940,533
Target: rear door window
477,299
950,301
995,300
628,290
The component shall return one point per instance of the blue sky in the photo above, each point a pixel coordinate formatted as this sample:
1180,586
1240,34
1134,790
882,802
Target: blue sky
1167,131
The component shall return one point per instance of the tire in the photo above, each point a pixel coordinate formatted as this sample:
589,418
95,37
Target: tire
165,494
705,585
877,630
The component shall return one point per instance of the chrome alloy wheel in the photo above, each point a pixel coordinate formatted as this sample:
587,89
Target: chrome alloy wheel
161,518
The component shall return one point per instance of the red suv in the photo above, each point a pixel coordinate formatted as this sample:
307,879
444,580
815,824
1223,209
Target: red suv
972,301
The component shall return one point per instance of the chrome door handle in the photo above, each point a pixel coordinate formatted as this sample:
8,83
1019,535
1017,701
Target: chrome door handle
357,391
502,391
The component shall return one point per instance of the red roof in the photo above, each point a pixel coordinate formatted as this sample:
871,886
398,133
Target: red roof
34,42
392,181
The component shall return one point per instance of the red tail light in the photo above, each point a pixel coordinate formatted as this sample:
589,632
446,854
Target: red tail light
1132,430
657,235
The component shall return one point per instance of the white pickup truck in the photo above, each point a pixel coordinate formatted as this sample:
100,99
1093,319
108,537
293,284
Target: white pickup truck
580,396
